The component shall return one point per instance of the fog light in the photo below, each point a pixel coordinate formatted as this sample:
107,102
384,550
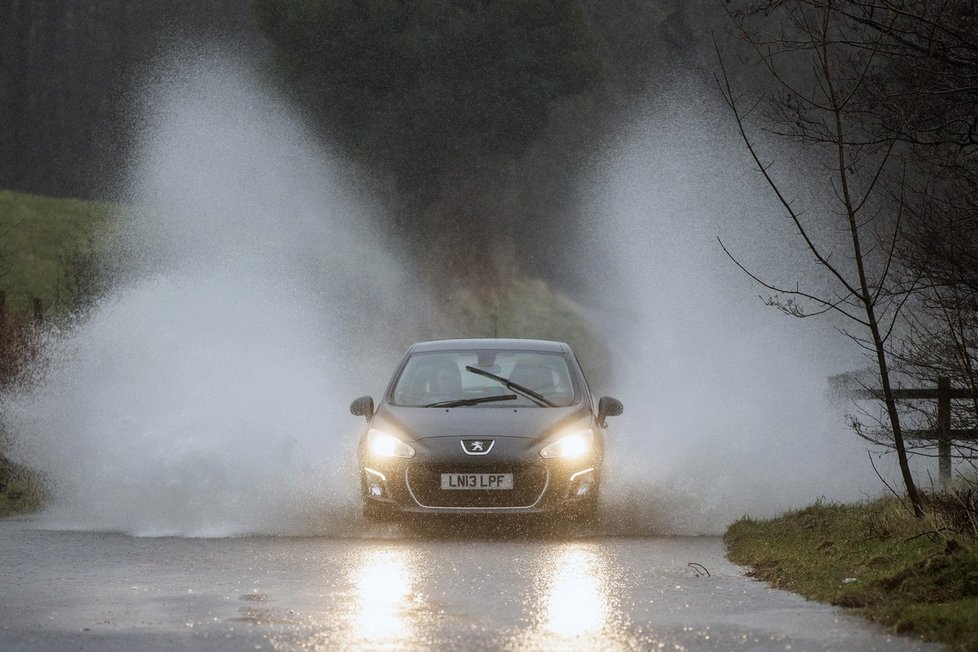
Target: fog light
581,483
376,483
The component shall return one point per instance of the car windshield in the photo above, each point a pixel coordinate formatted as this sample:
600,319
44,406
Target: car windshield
440,379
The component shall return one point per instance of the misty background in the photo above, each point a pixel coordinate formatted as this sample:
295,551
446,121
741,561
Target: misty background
468,136
311,190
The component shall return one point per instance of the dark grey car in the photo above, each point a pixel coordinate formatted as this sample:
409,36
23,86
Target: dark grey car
484,426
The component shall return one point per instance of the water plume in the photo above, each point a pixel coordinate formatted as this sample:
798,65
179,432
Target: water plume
726,407
207,393
254,294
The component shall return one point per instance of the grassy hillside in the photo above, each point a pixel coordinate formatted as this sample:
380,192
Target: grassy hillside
40,239
46,245
919,577
19,489
530,308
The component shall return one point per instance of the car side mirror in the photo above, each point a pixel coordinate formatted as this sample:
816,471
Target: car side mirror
363,407
608,407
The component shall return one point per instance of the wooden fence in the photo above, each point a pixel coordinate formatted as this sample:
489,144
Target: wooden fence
943,434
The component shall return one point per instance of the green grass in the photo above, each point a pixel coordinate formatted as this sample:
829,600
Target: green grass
36,235
918,577
530,308
20,491
42,241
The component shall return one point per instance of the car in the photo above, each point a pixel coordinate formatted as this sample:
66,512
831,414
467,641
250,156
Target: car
484,426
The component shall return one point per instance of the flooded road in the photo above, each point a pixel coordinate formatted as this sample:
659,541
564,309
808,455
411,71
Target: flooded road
390,590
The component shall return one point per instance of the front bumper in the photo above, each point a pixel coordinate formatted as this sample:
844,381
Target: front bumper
538,487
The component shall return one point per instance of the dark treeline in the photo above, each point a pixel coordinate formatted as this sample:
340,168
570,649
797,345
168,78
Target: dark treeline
476,115
479,113
67,74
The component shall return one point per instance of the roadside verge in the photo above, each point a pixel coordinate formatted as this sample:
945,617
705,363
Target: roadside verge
918,577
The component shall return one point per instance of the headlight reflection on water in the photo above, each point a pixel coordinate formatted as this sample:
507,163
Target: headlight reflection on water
576,605
576,600
382,581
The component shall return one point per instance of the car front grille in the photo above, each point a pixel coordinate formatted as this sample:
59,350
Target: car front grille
529,483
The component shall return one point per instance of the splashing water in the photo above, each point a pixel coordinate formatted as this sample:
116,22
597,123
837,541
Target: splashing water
206,395
725,400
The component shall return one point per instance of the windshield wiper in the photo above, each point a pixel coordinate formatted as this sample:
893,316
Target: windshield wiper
472,401
519,389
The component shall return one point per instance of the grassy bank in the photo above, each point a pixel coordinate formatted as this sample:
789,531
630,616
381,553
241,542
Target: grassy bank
48,252
19,489
918,577
42,240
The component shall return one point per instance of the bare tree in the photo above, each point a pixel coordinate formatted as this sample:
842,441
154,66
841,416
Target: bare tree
818,64
923,92
932,55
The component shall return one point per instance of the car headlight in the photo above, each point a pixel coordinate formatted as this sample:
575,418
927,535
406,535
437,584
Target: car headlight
572,445
382,444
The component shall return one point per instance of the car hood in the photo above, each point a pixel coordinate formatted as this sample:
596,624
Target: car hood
475,421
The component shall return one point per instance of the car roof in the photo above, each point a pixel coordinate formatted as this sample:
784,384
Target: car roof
483,343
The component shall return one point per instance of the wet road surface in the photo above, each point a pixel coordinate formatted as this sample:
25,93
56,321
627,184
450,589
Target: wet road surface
390,591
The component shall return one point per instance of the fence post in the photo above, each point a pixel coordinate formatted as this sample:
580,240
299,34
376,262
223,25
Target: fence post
944,428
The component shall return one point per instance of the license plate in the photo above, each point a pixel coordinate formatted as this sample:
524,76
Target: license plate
480,481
